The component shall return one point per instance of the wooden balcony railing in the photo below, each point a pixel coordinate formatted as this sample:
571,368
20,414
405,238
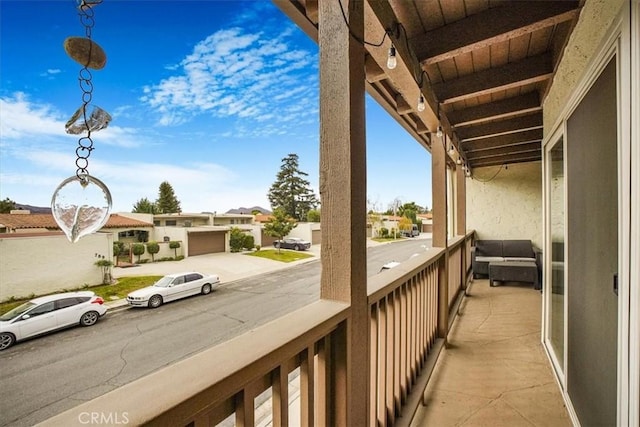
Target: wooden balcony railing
226,380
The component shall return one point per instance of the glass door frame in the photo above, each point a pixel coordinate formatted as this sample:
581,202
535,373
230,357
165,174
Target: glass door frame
559,366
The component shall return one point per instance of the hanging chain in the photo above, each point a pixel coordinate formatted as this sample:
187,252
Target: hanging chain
85,143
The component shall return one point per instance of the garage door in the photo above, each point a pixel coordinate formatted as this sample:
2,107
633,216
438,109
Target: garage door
316,237
266,239
206,242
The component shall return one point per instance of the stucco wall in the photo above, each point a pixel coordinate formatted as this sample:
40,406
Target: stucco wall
508,206
44,264
585,41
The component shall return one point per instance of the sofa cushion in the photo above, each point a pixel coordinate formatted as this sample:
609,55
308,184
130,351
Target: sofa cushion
489,258
490,248
518,248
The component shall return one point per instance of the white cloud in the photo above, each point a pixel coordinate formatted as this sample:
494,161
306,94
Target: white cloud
237,74
26,122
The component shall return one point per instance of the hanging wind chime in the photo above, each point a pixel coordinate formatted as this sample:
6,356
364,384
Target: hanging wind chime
81,203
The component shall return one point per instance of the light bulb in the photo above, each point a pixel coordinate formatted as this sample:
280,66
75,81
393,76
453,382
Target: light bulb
391,60
452,150
459,161
439,133
421,103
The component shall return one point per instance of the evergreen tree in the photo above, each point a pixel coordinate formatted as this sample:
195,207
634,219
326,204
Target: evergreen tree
167,201
144,205
290,192
7,205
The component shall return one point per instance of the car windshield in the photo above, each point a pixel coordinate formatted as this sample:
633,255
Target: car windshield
12,314
164,282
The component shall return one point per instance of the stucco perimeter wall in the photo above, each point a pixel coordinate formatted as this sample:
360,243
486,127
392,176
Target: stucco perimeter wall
586,40
44,264
508,206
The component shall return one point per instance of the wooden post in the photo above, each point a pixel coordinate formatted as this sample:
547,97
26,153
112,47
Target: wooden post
343,196
461,220
439,236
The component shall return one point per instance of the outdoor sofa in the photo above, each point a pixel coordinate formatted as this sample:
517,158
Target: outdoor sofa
508,260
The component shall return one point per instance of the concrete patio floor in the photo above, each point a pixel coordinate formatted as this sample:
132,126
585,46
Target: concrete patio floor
494,371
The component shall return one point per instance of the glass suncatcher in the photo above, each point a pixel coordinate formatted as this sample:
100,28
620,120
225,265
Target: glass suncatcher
81,203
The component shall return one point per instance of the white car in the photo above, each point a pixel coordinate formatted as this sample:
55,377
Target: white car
49,313
173,287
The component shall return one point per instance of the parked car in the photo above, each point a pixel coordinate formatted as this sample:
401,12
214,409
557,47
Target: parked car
414,232
172,287
294,243
49,313
389,266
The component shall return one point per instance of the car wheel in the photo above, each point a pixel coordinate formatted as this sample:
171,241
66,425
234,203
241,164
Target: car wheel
155,301
206,289
6,340
89,318
296,248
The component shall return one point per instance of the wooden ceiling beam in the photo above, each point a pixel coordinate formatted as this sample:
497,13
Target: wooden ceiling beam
502,140
515,124
527,103
507,160
506,22
530,70
372,70
534,147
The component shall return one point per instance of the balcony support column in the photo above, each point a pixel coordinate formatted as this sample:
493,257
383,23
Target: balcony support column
461,220
343,195
439,235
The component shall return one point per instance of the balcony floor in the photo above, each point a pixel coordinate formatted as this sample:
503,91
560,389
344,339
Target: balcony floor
494,371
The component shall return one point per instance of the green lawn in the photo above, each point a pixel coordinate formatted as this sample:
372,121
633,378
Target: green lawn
119,290
284,255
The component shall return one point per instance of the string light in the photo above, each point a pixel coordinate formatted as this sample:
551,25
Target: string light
459,161
439,132
421,105
391,59
452,150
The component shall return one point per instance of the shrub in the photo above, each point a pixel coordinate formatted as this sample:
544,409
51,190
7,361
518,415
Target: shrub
248,242
236,240
257,248
384,232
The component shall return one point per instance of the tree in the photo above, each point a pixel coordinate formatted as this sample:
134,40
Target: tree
118,248
137,249
174,245
167,201
405,225
7,205
313,215
144,205
105,265
290,192
153,248
279,225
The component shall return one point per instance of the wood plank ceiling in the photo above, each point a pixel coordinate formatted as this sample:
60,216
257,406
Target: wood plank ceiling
482,66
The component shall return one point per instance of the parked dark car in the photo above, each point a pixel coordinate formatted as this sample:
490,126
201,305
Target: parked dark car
294,243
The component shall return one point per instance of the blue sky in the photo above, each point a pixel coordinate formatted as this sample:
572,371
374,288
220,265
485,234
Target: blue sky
207,95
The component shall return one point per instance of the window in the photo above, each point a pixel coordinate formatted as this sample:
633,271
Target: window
170,222
47,307
178,280
66,302
194,276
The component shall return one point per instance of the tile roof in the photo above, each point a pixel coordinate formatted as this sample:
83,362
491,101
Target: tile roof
21,221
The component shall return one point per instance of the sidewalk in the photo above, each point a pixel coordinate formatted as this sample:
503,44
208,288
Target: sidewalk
229,266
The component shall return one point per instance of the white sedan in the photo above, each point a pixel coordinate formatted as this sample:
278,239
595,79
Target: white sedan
173,287
49,313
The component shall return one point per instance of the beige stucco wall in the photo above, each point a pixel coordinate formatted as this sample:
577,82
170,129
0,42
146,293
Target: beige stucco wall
44,264
508,206
586,40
